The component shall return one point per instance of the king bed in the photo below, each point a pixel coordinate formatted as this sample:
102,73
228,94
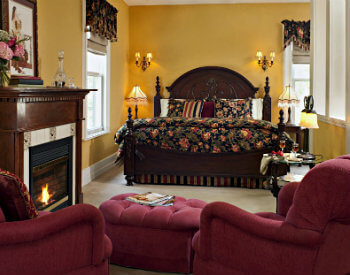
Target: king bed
221,149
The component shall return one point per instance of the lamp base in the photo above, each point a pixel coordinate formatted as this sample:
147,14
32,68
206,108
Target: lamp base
308,156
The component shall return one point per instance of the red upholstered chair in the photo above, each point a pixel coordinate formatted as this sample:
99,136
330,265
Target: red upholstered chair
310,235
67,242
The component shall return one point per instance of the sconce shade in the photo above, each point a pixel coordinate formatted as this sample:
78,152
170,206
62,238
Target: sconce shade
288,98
136,96
308,120
259,54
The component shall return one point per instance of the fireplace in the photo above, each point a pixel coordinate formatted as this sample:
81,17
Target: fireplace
50,174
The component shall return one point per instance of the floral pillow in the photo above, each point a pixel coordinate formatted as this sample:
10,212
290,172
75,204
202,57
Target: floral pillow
175,107
233,108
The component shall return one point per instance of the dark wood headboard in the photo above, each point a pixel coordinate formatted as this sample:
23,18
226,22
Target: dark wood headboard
213,82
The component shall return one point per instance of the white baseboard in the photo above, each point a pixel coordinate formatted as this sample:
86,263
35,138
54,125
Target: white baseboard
97,169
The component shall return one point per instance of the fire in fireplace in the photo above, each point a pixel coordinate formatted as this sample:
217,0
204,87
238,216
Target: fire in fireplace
51,174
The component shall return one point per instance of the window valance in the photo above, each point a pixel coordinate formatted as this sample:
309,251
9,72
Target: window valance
101,18
297,32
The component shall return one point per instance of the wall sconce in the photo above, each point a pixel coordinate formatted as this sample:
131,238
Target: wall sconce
263,62
143,63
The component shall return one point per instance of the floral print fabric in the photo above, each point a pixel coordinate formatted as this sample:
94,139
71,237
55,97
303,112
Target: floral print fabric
210,135
176,107
297,32
102,18
233,108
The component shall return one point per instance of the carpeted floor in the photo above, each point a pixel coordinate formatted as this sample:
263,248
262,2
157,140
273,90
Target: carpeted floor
112,183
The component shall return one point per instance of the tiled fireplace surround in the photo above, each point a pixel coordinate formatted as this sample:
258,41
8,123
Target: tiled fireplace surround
45,136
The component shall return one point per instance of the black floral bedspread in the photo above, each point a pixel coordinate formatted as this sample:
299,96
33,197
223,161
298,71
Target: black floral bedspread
211,135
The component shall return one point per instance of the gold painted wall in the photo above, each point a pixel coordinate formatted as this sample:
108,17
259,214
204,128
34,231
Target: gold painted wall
99,148
329,140
185,37
60,27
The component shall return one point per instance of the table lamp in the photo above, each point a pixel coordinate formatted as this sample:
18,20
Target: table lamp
288,99
135,97
308,120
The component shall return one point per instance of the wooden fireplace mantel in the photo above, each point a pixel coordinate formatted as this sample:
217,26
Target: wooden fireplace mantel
29,109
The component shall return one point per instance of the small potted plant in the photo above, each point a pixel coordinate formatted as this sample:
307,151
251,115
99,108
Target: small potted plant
10,49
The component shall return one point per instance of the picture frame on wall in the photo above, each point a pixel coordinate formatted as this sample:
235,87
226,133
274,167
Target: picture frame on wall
19,17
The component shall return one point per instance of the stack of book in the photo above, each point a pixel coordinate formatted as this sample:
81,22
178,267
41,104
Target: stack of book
152,199
26,82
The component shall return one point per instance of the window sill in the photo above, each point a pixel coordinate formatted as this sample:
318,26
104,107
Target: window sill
96,135
332,121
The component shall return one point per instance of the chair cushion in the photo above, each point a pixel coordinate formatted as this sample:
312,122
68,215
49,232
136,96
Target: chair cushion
15,200
183,215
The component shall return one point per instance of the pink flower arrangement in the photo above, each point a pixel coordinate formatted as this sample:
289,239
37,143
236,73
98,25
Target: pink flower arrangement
11,48
5,51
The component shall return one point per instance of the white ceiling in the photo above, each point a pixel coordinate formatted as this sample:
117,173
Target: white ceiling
198,2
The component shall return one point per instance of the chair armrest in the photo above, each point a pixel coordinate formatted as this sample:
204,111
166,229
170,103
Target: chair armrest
285,197
35,230
252,224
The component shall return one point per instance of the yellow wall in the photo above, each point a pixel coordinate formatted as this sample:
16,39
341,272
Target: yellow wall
185,37
329,140
96,149
60,27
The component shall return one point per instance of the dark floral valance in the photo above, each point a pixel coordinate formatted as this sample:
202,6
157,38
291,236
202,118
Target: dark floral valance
101,18
297,32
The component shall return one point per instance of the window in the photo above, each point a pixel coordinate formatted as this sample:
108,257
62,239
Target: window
97,77
301,86
296,72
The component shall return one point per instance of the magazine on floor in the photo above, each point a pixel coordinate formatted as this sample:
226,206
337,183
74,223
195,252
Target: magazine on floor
152,199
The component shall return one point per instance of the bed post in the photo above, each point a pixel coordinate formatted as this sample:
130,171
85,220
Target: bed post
129,151
267,102
281,126
157,99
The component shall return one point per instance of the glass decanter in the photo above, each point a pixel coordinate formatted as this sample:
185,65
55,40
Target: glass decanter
60,76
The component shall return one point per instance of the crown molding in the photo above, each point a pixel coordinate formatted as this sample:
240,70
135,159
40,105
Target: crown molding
203,2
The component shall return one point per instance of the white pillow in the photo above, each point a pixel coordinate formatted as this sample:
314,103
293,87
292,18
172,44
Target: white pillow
164,102
257,108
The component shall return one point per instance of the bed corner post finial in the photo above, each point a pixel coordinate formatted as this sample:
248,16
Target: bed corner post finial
267,101
157,99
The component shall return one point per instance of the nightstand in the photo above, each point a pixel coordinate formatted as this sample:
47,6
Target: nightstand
291,128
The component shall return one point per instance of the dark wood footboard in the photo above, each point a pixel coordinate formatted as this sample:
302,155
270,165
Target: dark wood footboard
143,159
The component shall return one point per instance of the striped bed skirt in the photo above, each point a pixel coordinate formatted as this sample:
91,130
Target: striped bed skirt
243,182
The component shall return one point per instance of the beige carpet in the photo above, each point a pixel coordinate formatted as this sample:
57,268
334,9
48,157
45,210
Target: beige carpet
113,183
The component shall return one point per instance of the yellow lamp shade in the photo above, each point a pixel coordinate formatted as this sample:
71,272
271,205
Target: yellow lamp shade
136,96
308,120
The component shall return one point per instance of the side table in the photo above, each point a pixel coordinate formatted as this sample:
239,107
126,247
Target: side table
281,167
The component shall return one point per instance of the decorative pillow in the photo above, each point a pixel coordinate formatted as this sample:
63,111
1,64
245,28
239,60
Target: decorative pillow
193,108
175,107
233,108
15,200
208,109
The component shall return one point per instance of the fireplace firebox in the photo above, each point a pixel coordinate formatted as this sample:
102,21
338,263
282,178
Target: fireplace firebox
50,174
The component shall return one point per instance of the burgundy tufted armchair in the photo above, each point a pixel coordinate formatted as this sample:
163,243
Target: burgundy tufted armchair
67,242
310,235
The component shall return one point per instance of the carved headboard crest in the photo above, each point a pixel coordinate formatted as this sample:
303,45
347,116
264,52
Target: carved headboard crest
211,82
